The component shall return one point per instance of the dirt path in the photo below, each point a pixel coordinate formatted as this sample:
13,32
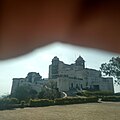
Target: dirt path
91,111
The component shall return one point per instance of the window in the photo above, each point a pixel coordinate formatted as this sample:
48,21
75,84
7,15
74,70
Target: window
96,87
77,86
71,85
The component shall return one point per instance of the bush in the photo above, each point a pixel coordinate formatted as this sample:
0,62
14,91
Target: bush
8,103
49,94
61,101
14,100
111,98
41,102
95,93
117,94
77,100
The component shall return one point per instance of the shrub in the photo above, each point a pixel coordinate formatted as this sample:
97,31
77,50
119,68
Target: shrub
91,99
61,101
40,102
49,94
95,93
117,94
8,103
111,98
14,101
75,100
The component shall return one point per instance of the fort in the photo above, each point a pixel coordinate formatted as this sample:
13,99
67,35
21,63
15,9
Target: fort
67,78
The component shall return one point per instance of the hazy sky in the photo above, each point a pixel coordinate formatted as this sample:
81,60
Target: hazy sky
40,59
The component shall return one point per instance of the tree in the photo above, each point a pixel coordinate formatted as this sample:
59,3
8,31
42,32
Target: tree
32,93
41,94
49,94
25,93
52,84
50,91
112,68
22,93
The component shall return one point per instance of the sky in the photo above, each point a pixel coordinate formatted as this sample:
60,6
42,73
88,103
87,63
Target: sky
40,59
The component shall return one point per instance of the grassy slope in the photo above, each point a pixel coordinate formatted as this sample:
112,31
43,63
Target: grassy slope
91,111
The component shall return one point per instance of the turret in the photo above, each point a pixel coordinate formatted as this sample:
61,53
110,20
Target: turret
32,76
55,67
15,85
80,62
55,61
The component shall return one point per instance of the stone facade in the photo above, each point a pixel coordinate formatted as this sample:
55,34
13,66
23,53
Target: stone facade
76,76
33,80
67,77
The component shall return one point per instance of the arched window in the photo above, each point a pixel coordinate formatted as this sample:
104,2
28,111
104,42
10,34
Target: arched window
71,85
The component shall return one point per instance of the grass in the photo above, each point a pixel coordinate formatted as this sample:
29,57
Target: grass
91,111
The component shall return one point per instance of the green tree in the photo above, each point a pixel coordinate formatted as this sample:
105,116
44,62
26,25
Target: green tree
41,94
112,68
49,93
52,84
33,93
22,93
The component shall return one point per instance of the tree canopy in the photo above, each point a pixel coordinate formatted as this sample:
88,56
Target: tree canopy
112,68
25,93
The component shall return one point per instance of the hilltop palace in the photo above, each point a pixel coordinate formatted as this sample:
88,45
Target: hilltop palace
67,78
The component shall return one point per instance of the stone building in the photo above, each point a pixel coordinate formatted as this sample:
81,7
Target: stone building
76,77
73,77
33,80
